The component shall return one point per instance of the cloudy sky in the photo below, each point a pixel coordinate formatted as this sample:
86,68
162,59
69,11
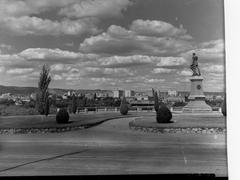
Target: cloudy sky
107,44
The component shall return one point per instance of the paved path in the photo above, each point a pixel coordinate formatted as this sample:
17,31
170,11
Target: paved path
111,148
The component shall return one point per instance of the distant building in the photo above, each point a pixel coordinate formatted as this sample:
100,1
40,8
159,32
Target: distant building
104,94
183,93
6,96
65,96
118,93
209,97
142,98
101,94
219,97
175,99
110,94
130,99
129,93
33,96
90,95
172,93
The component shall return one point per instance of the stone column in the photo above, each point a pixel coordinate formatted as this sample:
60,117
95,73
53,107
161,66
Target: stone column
197,98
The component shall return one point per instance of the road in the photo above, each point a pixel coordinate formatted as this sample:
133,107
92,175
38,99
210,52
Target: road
111,148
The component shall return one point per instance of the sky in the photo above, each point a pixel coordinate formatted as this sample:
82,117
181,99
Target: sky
110,44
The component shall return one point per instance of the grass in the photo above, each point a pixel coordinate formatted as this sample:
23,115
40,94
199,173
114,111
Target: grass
144,119
41,121
185,120
16,110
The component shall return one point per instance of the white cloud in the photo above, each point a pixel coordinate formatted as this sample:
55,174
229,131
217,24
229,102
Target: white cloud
208,51
162,70
60,67
120,41
158,28
71,76
22,17
100,79
154,80
171,61
214,68
185,73
19,70
69,8
2,69
96,8
5,47
124,60
57,77
118,71
26,25
92,69
57,54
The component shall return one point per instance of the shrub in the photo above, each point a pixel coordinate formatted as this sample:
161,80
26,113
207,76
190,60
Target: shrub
124,107
14,110
91,109
62,116
164,115
31,104
61,104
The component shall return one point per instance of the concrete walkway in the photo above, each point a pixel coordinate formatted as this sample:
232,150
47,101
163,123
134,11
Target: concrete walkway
111,148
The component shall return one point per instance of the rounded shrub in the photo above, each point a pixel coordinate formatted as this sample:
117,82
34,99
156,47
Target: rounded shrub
62,116
164,115
124,107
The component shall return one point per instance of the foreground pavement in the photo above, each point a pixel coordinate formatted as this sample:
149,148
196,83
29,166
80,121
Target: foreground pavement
112,148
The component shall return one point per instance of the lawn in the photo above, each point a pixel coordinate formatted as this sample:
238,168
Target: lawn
41,121
185,120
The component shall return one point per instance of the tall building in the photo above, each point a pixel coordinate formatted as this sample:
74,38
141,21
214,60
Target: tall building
172,93
118,93
129,93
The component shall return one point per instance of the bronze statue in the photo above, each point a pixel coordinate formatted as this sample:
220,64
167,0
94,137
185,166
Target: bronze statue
194,66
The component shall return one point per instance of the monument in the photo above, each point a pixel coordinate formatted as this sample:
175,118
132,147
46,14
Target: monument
197,98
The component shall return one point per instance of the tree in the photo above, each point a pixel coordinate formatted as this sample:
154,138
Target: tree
124,106
224,109
42,94
74,104
46,105
156,103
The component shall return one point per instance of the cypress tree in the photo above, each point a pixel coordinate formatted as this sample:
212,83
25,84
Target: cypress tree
74,104
47,104
156,103
44,81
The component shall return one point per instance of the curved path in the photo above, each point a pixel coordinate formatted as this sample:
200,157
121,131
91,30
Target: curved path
111,148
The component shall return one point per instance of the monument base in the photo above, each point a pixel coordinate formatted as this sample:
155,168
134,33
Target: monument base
197,98
197,106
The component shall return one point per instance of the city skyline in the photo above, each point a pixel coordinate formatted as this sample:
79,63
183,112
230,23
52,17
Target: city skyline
112,44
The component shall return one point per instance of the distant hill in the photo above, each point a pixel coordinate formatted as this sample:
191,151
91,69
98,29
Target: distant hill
17,90
28,90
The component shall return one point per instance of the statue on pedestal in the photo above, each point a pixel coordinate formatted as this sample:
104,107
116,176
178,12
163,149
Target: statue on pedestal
196,98
194,66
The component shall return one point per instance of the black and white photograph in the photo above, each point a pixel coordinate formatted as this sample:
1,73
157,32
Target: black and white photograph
113,87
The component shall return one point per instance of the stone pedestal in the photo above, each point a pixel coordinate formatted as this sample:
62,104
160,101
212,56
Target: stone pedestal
197,98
